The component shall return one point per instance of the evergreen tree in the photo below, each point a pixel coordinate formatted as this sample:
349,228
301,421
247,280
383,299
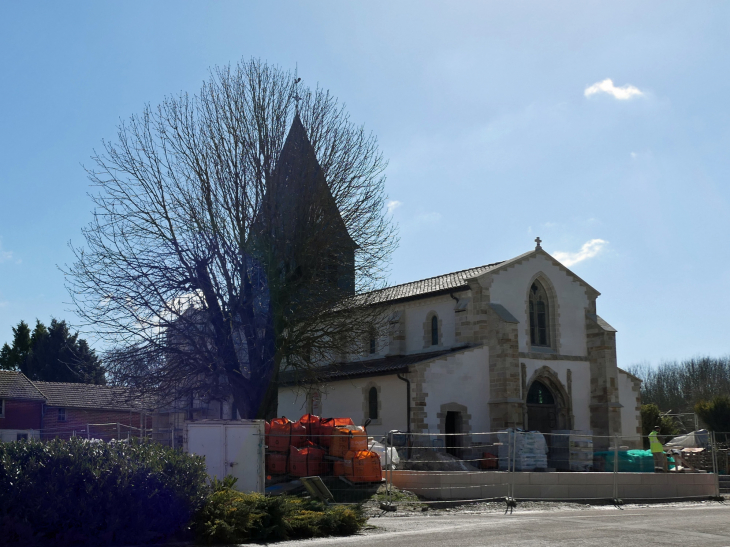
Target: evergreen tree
52,354
11,357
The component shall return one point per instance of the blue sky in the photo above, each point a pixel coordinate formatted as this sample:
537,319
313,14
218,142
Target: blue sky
496,117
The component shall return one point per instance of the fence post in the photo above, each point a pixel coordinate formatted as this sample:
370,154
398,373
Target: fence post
119,432
88,436
388,470
714,463
615,468
514,463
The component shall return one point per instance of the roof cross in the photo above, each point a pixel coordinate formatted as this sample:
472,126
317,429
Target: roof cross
296,97
538,241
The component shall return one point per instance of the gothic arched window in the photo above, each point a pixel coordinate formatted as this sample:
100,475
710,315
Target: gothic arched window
373,403
539,328
435,330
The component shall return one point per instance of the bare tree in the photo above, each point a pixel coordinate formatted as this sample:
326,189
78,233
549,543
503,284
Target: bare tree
237,233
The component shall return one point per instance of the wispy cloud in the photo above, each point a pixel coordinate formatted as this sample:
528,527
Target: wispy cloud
588,250
427,218
622,93
392,206
5,256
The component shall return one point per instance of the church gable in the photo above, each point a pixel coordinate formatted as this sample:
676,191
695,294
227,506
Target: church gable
548,300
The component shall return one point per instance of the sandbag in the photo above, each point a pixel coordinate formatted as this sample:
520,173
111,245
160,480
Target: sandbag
276,464
348,438
307,461
284,433
311,426
363,466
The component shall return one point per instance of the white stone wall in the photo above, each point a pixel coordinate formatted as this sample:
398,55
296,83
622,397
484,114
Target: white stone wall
348,398
461,378
415,316
509,287
581,385
630,417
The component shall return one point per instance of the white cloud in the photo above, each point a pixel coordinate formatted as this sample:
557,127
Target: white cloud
588,250
392,206
5,255
633,155
622,93
428,218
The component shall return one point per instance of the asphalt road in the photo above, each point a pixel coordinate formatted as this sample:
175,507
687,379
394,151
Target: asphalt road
706,525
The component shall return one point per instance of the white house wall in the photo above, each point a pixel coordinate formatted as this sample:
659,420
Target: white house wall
509,287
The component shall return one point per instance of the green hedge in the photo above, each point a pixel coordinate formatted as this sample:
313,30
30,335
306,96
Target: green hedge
95,493
233,517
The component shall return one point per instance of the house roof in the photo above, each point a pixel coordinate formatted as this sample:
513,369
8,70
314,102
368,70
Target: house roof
15,385
88,396
372,367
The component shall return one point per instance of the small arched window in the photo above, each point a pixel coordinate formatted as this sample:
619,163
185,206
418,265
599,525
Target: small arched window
539,328
373,403
435,330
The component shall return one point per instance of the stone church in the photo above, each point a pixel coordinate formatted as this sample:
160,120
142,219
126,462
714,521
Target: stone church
517,343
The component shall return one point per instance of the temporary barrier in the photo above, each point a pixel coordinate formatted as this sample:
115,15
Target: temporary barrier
363,466
307,461
276,463
284,433
346,439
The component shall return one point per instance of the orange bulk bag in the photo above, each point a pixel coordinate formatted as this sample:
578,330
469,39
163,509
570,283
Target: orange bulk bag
311,426
338,468
276,464
489,461
307,461
326,429
284,433
346,439
363,466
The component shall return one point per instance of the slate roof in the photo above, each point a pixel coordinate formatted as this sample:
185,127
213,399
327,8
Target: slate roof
88,396
373,367
441,283
15,385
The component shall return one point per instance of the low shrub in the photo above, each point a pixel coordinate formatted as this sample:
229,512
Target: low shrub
233,517
81,492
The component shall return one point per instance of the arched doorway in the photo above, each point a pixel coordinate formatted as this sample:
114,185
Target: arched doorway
542,410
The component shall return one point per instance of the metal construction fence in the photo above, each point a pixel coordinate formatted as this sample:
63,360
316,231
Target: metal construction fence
514,464
486,466
505,465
